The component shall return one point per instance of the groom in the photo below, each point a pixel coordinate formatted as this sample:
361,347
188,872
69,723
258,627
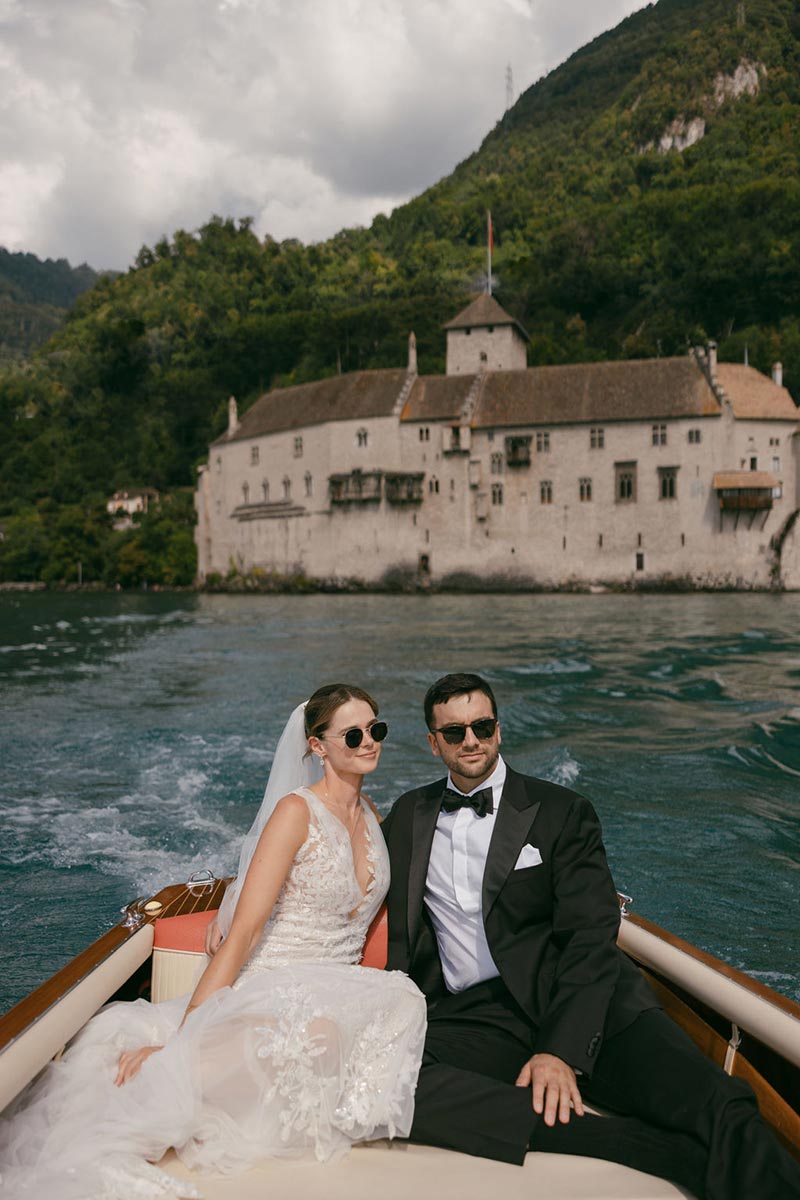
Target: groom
503,910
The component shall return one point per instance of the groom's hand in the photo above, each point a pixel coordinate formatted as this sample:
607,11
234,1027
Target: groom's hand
213,937
554,1085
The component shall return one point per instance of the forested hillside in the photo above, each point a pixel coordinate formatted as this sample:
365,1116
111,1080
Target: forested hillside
644,194
34,297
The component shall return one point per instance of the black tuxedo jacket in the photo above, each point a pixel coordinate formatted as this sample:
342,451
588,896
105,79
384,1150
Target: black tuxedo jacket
551,928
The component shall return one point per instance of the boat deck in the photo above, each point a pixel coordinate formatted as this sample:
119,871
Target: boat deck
398,1171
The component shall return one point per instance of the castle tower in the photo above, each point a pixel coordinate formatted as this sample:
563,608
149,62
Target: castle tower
484,337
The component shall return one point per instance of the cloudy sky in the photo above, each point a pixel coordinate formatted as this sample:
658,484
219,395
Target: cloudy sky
122,120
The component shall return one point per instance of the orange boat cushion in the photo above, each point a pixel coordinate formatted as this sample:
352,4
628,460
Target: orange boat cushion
188,934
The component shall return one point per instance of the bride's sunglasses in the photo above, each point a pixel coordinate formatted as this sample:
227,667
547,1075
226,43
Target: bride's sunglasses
455,734
354,737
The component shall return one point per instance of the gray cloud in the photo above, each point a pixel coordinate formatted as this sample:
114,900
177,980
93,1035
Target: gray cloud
121,120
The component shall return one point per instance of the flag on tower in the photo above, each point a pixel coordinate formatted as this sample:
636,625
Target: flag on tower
489,228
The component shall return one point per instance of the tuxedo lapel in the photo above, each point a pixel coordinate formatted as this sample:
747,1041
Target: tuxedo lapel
426,812
515,814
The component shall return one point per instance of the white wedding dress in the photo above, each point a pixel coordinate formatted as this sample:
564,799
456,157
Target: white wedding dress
305,1054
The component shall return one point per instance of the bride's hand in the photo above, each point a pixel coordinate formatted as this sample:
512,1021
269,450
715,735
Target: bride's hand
131,1061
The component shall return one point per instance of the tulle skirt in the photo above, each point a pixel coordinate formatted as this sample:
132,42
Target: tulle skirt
302,1060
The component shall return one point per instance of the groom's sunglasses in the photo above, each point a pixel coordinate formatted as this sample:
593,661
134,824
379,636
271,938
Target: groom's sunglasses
455,734
354,737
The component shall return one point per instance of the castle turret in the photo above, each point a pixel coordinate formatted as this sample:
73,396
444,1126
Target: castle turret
484,337
233,416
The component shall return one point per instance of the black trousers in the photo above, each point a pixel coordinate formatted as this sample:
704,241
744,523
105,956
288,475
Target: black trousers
680,1117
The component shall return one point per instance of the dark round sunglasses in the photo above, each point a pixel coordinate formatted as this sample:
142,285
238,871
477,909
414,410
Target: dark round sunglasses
354,737
455,734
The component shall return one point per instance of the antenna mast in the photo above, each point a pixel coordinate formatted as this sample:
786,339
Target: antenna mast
509,88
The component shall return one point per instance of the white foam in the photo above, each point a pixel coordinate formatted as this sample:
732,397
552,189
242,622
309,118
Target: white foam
562,768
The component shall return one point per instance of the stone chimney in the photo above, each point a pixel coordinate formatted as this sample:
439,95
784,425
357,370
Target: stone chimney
777,374
233,416
712,363
412,354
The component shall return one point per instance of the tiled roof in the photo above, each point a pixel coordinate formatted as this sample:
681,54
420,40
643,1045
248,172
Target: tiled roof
641,389
744,480
355,396
647,389
754,395
483,311
437,397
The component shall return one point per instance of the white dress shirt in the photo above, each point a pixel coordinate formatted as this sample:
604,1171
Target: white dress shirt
453,887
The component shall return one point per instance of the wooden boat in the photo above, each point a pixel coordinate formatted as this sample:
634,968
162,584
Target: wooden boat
156,951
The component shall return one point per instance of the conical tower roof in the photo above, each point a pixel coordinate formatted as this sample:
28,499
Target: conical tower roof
483,311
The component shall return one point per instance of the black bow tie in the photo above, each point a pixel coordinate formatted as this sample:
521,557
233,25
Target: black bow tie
481,801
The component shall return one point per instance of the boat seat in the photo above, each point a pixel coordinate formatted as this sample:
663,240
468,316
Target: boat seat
179,955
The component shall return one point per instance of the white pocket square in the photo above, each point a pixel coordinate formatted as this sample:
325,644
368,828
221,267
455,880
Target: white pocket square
529,856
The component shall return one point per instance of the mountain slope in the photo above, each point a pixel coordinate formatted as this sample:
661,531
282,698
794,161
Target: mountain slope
611,241
34,296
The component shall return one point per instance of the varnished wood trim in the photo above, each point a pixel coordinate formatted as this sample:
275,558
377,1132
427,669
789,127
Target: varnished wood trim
175,899
722,968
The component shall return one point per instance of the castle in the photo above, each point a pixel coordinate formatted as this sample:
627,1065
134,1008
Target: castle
658,470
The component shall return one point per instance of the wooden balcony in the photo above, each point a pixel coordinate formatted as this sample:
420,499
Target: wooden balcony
356,487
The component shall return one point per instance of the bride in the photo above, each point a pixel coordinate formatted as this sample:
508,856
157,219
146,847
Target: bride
286,1046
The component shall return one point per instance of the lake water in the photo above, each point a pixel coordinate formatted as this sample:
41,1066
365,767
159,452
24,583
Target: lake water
137,733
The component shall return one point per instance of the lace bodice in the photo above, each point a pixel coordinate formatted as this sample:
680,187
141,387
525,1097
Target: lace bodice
321,912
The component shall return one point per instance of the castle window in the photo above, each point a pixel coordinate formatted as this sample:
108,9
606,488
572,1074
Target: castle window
497,493
659,435
298,447
542,443
287,488
254,456
518,451
484,356
667,483
597,438
546,491
309,481
754,464
694,437
265,491
433,485
625,484
490,435
640,562
585,489
245,493
497,464
776,463
362,436
424,433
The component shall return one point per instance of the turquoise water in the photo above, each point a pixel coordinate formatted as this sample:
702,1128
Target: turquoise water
137,733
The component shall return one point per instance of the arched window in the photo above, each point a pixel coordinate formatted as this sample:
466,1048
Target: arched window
265,491
245,493
309,483
497,464
287,488
362,437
